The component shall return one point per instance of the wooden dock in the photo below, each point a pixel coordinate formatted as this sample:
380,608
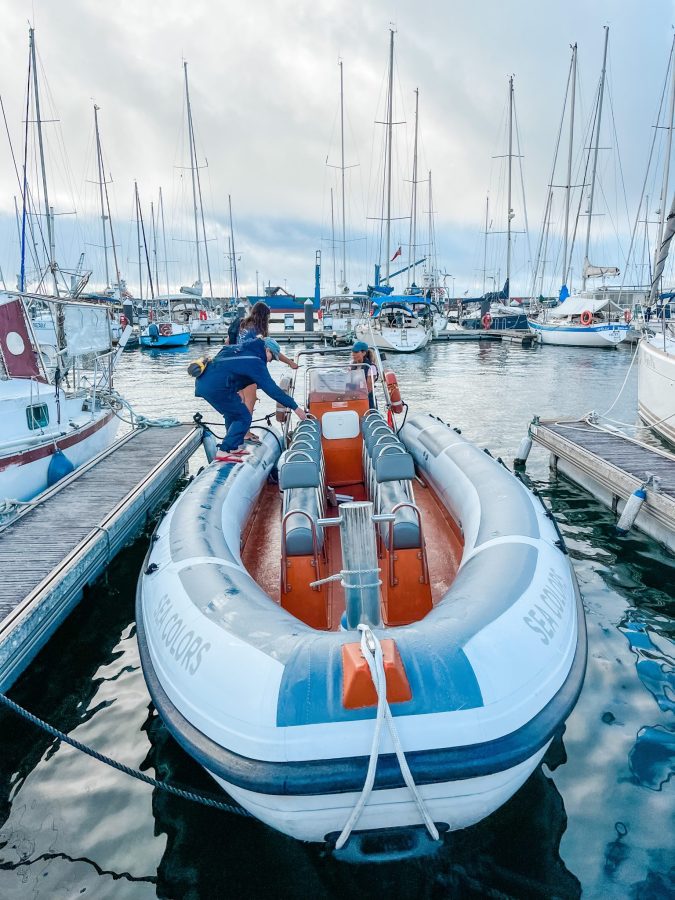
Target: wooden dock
521,338
611,466
65,540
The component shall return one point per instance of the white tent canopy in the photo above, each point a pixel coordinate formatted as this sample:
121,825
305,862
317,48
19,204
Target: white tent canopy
574,306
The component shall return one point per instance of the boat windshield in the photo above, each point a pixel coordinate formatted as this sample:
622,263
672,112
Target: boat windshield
338,381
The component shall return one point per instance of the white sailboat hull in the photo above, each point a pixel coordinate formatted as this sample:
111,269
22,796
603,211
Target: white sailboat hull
395,340
604,336
656,385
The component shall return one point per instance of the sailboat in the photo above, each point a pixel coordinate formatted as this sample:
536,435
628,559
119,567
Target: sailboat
55,381
656,351
161,332
492,311
586,319
392,324
341,310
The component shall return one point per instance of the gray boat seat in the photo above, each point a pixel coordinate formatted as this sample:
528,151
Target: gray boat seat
298,529
393,465
406,525
296,470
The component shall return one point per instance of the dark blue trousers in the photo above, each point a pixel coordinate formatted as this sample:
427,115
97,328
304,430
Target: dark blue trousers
237,417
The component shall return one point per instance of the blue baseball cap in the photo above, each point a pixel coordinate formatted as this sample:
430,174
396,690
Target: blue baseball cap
359,347
273,347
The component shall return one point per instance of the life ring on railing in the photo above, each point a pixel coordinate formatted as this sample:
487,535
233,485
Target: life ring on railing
486,321
627,316
165,329
319,315
151,315
123,321
395,401
586,317
373,309
203,315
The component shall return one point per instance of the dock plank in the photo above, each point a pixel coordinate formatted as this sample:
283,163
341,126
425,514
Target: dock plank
53,548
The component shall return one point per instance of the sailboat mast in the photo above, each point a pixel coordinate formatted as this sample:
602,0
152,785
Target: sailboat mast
485,237
412,242
595,158
193,166
510,210
568,186
342,174
390,116
154,242
166,260
432,235
48,210
138,242
234,258
100,188
666,167
332,232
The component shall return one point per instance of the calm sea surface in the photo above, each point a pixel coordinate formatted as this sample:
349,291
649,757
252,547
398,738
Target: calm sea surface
596,819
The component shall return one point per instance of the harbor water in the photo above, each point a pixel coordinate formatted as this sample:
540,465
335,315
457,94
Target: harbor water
597,819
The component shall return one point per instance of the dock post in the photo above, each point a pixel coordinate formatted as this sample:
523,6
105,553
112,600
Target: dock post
309,315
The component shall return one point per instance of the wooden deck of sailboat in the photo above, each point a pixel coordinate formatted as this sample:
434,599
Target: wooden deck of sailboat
65,541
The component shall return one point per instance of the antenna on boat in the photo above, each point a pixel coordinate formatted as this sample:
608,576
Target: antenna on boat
234,258
49,212
389,123
342,177
568,186
198,206
105,209
412,241
166,261
601,94
510,213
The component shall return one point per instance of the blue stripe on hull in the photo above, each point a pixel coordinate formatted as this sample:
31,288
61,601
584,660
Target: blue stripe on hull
347,774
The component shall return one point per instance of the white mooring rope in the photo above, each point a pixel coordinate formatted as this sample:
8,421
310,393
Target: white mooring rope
372,652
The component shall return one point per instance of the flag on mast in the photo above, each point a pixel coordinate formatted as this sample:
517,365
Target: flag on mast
398,253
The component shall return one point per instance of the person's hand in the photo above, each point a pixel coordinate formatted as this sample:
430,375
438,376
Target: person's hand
300,413
293,365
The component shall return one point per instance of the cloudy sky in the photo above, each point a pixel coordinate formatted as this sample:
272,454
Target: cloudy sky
264,84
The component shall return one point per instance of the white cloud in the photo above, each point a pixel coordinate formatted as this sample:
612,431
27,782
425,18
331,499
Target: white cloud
264,83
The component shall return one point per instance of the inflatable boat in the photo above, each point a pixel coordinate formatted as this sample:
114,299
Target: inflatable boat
368,635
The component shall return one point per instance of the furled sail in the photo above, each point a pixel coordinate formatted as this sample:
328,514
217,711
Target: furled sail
598,271
668,232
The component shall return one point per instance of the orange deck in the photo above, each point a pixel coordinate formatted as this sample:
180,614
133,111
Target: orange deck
261,546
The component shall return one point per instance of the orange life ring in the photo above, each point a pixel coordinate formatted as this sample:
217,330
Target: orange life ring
396,403
165,329
586,317
319,315
203,315
627,316
486,320
151,315
123,321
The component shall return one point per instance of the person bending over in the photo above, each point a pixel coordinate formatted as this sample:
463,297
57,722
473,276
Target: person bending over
221,381
256,324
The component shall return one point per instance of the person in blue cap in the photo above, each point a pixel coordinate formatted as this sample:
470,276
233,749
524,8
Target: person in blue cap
362,358
229,372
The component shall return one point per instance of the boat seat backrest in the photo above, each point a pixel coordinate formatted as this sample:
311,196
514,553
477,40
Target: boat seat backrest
393,463
301,481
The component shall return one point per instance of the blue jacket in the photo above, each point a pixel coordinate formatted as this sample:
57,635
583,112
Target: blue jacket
232,370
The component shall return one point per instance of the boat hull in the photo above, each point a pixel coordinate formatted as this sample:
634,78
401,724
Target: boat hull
283,744
24,472
656,386
394,340
165,342
604,336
